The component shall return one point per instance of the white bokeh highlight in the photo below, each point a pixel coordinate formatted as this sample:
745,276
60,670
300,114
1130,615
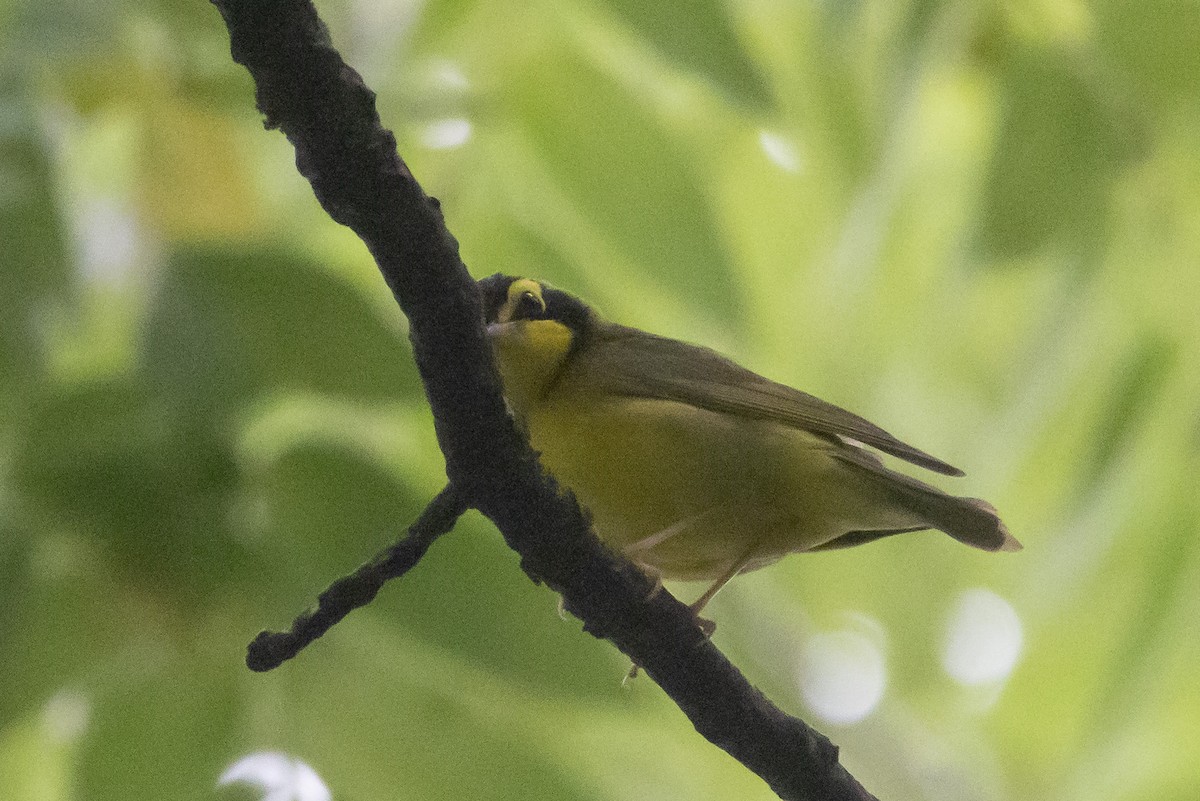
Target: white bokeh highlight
780,151
446,134
108,237
843,673
280,777
983,638
66,715
449,75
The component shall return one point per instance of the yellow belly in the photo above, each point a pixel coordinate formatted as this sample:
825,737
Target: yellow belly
701,489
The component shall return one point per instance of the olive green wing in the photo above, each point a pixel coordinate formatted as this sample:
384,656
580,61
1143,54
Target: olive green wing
625,361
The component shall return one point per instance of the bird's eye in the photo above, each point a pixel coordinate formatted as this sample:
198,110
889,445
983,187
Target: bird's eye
529,307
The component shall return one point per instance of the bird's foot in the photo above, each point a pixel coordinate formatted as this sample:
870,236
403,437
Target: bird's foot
707,626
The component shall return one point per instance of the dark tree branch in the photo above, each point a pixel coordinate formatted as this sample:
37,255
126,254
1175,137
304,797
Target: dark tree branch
271,649
306,90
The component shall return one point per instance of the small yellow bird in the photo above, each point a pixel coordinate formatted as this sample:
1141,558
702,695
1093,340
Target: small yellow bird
697,468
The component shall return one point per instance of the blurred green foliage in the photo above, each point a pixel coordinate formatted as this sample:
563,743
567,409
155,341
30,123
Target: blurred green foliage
973,222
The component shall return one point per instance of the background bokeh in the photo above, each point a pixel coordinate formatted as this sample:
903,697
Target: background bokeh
975,222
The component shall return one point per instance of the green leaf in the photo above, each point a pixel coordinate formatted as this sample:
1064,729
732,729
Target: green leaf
35,267
61,29
698,35
1138,381
500,619
1061,144
329,508
427,727
226,326
166,735
195,184
154,488
56,625
613,159
1155,48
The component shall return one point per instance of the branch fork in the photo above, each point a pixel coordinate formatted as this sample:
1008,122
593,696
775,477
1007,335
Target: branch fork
304,89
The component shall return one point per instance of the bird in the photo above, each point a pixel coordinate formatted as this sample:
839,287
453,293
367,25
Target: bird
693,467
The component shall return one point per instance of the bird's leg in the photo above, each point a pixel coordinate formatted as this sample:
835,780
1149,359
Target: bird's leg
708,626
633,550
657,538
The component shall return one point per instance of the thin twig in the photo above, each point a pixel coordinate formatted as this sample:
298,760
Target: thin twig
270,649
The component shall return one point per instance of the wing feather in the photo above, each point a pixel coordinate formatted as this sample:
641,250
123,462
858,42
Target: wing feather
629,362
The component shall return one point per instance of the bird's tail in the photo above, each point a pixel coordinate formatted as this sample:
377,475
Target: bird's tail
971,521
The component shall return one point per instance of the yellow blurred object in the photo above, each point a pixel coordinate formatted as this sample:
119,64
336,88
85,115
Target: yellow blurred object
693,466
